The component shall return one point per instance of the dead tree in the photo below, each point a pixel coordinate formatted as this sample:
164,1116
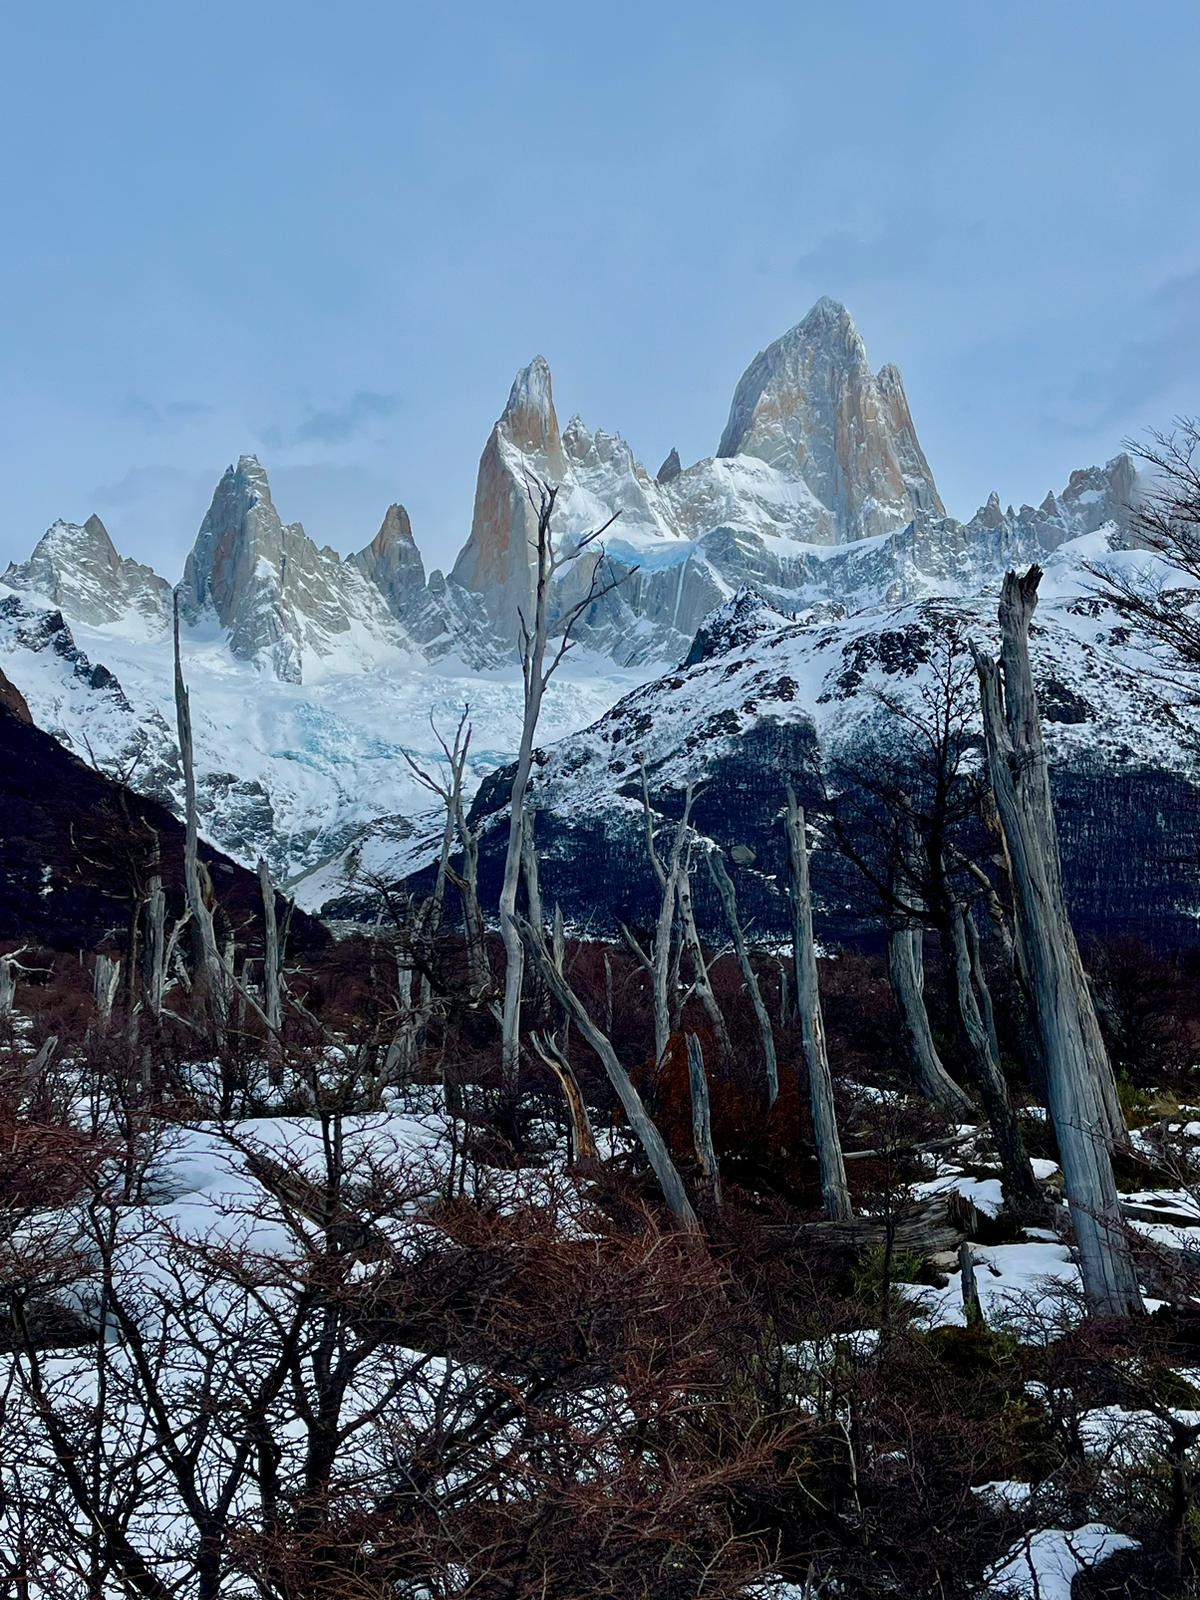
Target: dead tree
701,983
272,982
584,1153
1073,1054
972,1305
906,968
10,966
209,990
766,1034
835,1192
639,1119
1020,1186
539,662
106,979
466,881
702,1139
657,960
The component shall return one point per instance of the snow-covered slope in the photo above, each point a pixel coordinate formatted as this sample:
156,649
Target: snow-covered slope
764,696
289,770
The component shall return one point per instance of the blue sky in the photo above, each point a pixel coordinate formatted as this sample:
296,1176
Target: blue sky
330,234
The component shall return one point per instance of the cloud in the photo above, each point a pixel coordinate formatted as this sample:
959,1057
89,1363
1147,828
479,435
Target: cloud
334,424
163,415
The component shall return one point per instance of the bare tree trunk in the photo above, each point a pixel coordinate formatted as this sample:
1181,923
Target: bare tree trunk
583,1140
972,1306
728,894
1020,1185
639,1119
272,964
1077,1067
608,994
702,1137
700,978
905,969
105,981
835,1191
529,863
208,987
657,961
154,950
979,979
558,950
8,986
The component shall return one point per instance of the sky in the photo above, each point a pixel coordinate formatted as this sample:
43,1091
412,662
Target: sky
329,236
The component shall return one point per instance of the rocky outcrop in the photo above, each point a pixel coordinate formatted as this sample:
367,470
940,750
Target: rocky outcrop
810,407
76,566
392,561
283,601
670,469
524,444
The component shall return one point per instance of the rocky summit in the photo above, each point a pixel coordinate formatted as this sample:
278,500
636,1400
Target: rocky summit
315,674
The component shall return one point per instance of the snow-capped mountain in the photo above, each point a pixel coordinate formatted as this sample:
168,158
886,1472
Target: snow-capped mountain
312,673
764,697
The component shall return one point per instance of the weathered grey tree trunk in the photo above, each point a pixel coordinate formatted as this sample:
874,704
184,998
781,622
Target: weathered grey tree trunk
272,984
835,1191
608,993
536,675
657,961
702,1138
8,985
700,979
583,1140
1020,1186
972,1305
154,948
209,989
905,974
1077,1068
979,981
639,1119
106,979
766,1034
558,951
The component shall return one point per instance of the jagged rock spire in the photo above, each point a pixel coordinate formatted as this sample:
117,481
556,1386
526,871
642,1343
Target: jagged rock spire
810,406
76,567
495,561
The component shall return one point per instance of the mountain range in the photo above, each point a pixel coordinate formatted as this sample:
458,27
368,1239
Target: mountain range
817,518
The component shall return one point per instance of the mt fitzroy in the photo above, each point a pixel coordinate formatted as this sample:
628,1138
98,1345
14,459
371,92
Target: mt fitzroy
318,671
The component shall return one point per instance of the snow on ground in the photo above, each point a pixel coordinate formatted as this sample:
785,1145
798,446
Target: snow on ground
1030,1284
1044,1565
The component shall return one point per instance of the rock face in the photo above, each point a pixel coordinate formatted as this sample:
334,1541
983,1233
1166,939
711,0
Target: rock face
525,443
76,567
819,492
809,406
279,597
393,562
